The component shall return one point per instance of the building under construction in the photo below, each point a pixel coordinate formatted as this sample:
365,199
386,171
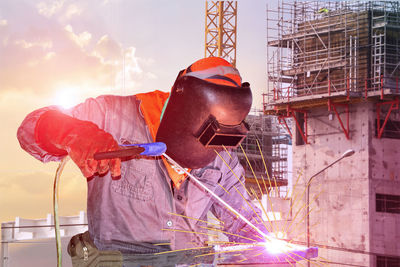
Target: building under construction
334,69
264,151
264,156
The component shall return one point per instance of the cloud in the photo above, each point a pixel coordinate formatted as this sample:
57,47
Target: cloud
50,8
108,50
53,55
3,22
132,75
42,44
49,55
73,10
82,39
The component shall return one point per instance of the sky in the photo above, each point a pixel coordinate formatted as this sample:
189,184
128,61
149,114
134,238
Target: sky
64,51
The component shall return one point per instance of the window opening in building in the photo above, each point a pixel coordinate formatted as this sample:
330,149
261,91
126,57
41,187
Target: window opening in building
387,203
391,130
383,261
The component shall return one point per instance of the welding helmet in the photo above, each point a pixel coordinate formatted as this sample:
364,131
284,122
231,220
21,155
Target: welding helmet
205,112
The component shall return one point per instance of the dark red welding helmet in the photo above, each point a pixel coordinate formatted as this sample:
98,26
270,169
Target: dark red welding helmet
205,111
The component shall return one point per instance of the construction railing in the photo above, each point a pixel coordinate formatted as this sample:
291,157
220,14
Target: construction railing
346,87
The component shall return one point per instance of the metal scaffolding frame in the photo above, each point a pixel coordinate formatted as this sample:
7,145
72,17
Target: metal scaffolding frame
323,53
338,47
266,149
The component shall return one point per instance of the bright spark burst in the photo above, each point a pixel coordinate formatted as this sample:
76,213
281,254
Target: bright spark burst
274,245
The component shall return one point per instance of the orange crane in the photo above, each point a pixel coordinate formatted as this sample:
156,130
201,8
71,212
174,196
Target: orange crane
220,30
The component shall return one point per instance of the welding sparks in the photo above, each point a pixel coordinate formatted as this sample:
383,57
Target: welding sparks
272,249
275,246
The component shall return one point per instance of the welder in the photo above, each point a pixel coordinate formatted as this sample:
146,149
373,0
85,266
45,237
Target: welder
140,206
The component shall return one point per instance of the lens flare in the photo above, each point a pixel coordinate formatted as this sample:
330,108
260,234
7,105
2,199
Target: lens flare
67,97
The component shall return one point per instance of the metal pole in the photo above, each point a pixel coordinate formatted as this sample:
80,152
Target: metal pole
7,233
346,154
220,28
4,254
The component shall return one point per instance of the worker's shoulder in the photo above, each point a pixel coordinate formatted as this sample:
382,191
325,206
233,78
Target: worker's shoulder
150,94
111,100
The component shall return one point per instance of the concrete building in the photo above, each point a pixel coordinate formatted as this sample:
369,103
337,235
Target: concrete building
334,69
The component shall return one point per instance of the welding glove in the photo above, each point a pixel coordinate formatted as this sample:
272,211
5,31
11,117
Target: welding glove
60,134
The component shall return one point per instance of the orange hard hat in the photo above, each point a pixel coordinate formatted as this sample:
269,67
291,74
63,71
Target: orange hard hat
215,70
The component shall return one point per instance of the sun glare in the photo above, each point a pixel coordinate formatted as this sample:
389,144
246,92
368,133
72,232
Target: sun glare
66,97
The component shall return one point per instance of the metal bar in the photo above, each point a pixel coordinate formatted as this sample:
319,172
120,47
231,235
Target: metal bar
220,27
4,251
305,126
234,60
346,131
329,87
304,136
316,33
348,121
229,207
284,123
206,31
128,152
378,119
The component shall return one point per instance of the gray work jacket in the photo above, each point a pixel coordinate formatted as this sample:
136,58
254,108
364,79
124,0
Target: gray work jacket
142,206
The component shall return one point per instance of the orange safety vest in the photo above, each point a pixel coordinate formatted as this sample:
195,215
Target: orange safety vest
151,107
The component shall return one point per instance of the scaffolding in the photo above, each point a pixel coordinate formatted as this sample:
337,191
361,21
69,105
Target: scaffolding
331,53
264,155
319,47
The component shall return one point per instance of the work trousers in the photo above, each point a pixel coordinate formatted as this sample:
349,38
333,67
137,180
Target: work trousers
84,253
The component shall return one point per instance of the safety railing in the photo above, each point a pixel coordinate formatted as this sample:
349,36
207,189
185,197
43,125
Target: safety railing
380,85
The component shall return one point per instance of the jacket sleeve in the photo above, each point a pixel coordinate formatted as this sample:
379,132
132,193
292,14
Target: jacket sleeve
93,109
235,194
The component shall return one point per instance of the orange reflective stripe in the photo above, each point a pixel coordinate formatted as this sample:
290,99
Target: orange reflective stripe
207,63
151,106
215,70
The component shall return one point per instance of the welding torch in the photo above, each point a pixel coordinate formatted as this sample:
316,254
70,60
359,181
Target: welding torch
158,149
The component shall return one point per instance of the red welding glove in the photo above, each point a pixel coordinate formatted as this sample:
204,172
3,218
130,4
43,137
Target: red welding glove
60,134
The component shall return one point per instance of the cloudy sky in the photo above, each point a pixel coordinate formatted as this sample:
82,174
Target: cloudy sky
63,51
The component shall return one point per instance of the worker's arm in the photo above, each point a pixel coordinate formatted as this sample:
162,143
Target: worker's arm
237,196
51,133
